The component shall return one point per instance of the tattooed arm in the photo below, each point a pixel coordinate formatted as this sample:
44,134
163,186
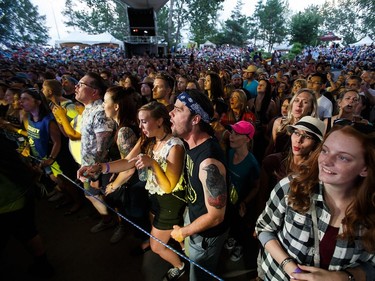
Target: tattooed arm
212,174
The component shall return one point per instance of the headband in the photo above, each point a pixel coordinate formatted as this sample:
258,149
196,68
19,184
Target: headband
193,106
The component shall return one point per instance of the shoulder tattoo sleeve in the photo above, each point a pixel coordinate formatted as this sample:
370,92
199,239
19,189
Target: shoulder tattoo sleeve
216,187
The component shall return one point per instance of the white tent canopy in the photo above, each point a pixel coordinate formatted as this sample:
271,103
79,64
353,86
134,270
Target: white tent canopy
282,47
364,41
207,44
83,38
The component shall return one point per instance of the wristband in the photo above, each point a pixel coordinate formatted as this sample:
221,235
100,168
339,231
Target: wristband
50,157
106,168
285,262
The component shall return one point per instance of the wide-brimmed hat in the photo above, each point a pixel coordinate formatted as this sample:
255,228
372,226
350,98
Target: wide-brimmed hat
309,124
244,128
251,68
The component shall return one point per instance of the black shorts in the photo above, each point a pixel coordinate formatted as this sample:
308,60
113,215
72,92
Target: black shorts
168,210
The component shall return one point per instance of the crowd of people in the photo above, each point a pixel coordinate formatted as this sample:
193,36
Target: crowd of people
221,147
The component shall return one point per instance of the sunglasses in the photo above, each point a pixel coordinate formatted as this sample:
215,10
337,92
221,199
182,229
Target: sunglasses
359,126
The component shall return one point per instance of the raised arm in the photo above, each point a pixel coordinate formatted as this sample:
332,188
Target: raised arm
62,119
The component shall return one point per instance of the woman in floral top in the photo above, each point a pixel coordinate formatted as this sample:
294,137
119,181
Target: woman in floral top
162,155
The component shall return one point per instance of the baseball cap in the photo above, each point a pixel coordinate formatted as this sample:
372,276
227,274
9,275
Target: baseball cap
235,76
244,128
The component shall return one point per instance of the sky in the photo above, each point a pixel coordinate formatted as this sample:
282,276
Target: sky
57,30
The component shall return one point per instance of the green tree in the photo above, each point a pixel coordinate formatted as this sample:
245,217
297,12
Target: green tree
304,26
367,8
235,29
255,22
97,16
272,21
202,18
21,23
171,19
344,18
162,23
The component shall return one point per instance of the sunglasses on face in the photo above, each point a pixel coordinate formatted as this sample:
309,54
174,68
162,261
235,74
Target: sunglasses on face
359,126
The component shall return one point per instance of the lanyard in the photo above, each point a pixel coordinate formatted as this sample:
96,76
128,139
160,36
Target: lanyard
316,235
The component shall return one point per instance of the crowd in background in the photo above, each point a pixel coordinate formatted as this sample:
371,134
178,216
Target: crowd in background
270,117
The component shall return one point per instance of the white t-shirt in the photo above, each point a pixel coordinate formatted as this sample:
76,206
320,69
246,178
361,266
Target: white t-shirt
324,107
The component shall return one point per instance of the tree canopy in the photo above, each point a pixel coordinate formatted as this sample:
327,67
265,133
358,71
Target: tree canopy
271,22
21,23
236,29
304,26
99,16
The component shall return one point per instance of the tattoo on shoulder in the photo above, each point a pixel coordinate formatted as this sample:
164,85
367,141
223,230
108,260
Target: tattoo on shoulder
216,186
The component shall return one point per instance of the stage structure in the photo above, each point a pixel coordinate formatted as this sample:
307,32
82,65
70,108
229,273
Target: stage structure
143,37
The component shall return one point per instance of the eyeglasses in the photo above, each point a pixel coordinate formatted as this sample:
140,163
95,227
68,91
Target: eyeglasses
359,126
302,136
80,83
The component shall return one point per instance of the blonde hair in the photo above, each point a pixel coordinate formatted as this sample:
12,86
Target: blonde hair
290,120
242,98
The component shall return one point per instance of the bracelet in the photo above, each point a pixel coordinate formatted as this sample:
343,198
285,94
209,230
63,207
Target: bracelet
50,157
106,168
285,262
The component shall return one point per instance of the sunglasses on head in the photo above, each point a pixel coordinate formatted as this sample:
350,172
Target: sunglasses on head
359,126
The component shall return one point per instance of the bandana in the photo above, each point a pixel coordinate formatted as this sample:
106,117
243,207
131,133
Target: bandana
193,106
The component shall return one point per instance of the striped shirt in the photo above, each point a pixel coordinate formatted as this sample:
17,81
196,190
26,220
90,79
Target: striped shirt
294,231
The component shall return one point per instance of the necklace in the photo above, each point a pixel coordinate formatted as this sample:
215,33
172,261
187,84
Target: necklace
163,138
158,143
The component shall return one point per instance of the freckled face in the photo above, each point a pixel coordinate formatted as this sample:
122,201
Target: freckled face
341,160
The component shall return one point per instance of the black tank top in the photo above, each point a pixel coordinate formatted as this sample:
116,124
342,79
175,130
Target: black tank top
195,194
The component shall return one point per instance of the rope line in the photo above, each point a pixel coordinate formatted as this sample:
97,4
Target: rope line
137,226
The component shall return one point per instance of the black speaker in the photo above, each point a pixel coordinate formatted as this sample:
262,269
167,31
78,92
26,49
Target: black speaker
141,22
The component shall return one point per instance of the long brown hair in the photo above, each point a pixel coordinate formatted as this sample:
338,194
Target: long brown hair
361,212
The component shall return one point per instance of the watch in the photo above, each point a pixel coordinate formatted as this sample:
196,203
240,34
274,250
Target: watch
350,276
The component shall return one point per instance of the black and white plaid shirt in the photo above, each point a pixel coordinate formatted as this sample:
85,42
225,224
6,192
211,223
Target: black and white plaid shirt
294,231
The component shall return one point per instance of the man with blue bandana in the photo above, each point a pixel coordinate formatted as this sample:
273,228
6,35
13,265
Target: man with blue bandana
207,183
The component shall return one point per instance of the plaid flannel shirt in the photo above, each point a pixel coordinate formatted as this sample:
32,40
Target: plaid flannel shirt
294,231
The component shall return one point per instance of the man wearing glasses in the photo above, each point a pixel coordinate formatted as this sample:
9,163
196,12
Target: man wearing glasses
96,139
317,83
